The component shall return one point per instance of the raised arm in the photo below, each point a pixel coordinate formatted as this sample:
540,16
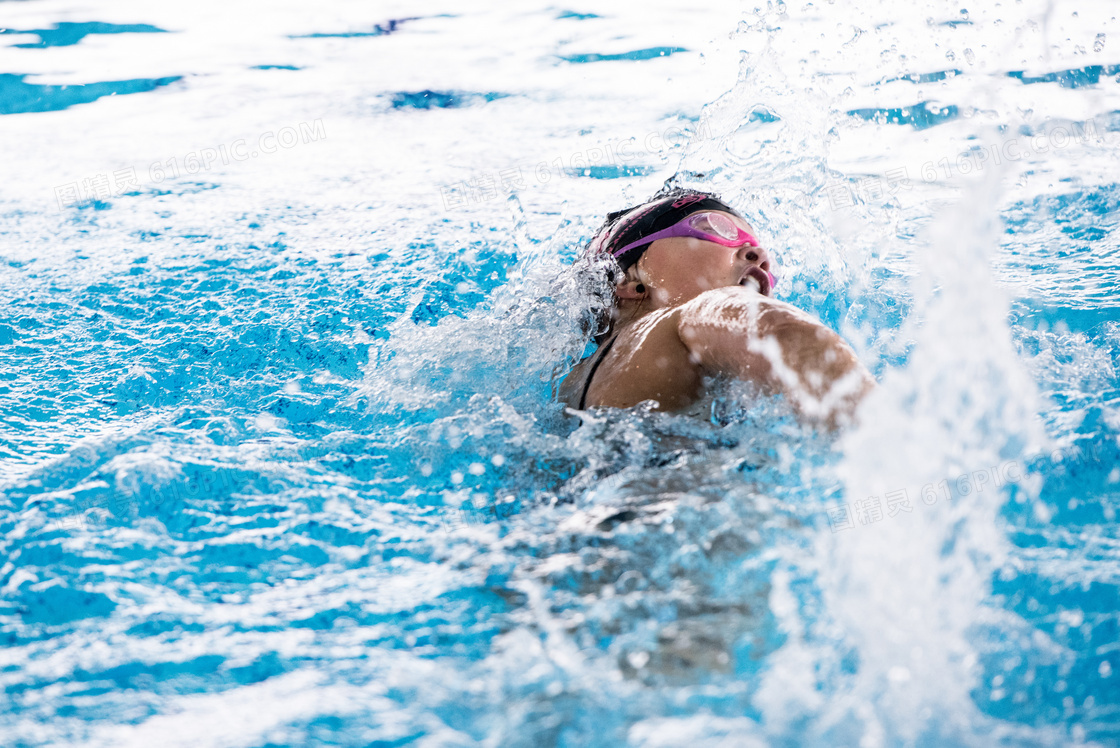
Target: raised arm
738,332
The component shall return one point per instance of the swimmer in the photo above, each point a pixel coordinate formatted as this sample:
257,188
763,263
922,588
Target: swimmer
692,301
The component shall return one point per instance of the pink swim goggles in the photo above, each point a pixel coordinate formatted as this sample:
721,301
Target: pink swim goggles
709,226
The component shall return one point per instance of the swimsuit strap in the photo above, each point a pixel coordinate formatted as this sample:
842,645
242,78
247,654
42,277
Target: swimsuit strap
599,356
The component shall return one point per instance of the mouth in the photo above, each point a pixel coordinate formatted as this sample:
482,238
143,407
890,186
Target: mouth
756,277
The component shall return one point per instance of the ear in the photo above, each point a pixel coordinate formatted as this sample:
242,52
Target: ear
629,289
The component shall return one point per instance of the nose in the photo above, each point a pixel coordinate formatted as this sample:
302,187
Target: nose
757,255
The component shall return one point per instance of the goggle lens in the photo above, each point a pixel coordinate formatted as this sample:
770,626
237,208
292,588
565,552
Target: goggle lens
717,225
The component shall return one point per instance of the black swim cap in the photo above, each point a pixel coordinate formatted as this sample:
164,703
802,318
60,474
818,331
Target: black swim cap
628,226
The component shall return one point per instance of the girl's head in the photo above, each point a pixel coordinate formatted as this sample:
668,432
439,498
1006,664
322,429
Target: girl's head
621,234
676,246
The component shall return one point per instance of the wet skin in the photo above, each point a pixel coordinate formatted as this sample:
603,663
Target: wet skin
690,309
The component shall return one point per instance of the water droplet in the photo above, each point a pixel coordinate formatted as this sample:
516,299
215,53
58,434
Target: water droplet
1098,45
898,674
969,56
950,56
638,660
266,422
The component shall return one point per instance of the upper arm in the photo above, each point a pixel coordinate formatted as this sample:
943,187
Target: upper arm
726,330
746,335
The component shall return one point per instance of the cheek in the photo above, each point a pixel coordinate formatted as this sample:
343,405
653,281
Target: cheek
687,273
688,265
668,268
691,268
709,266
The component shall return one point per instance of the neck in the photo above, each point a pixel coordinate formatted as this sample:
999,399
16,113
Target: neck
628,313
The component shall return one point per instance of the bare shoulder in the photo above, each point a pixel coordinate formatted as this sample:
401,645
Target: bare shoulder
739,332
737,310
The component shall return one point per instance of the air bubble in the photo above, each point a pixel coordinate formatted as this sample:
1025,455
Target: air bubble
1098,45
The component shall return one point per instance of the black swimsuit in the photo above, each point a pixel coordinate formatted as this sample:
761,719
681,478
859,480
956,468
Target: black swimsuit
599,356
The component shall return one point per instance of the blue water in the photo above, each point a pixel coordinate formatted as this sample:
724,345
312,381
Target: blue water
286,292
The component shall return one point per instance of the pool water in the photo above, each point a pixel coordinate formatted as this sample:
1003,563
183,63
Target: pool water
284,300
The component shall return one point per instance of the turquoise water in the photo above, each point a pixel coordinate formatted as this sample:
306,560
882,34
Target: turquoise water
284,298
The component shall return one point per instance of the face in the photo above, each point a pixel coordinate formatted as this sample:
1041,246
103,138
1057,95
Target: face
679,269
